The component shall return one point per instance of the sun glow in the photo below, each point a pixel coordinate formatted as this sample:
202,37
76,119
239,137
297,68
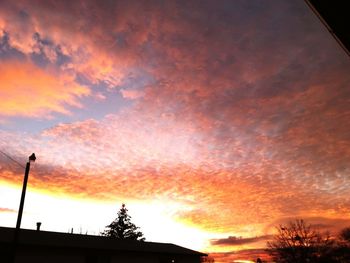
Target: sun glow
62,213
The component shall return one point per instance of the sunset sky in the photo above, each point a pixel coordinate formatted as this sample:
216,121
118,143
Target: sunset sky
214,121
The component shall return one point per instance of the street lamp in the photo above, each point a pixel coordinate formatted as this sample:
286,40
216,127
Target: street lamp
32,158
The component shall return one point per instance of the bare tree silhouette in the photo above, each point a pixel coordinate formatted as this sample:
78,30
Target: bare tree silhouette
299,242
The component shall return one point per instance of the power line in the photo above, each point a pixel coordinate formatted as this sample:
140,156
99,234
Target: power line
8,156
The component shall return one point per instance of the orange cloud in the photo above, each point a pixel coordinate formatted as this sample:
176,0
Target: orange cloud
91,45
27,90
244,255
7,210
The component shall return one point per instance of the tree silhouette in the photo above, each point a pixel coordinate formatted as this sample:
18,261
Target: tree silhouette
123,228
298,242
342,251
345,234
207,259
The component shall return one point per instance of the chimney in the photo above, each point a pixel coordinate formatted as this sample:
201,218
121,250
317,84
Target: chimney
38,224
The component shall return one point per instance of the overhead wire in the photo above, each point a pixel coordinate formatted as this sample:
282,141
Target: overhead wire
9,157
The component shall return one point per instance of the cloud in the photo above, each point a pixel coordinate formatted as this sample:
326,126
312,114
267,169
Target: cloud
240,112
131,94
87,34
7,210
158,155
27,90
327,224
237,241
244,254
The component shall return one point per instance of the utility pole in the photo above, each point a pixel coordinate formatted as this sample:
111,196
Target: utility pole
32,158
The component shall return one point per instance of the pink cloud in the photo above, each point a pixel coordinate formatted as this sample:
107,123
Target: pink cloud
132,94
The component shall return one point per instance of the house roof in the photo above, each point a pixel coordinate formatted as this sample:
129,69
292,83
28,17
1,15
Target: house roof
66,240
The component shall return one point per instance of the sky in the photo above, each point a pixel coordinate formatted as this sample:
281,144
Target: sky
213,121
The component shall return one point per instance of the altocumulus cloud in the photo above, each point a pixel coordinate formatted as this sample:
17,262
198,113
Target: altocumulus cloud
245,121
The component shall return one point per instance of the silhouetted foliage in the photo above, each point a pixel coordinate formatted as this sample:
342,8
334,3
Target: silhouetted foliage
122,228
207,259
298,242
345,234
342,250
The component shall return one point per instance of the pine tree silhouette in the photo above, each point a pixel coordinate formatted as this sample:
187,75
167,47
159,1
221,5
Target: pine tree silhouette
123,228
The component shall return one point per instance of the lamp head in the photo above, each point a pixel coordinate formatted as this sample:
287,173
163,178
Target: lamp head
32,158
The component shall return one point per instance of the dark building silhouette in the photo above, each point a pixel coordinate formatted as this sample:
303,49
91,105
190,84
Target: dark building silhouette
42,246
334,14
